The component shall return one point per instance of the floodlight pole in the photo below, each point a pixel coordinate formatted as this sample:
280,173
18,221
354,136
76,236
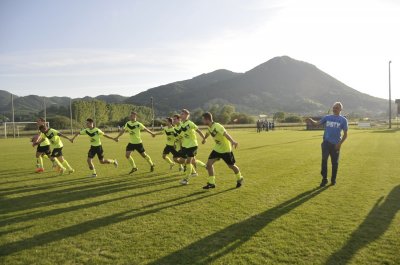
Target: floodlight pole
152,113
13,113
70,114
390,100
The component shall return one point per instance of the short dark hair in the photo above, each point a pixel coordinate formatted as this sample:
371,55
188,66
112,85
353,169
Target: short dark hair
185,111
41,119
42,127
169,119
177,116
134,112
207,116
90,120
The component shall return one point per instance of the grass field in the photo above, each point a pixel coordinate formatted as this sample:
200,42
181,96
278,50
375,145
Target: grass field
278,216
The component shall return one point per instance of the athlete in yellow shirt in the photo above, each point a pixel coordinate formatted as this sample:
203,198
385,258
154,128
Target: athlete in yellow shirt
95,145
222,150
189,144
43,149
57,145
133,127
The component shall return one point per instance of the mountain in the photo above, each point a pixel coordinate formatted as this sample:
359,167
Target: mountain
174,96
280,84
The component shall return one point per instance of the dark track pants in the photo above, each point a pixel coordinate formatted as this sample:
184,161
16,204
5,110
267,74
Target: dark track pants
328,149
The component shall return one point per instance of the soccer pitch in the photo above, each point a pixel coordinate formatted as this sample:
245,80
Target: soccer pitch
277,217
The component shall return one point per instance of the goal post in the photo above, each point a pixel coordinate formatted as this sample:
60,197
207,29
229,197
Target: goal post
19,129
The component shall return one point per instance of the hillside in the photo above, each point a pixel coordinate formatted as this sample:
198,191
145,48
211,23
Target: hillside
281,84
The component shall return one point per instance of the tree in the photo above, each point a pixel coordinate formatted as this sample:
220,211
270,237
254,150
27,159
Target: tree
279,116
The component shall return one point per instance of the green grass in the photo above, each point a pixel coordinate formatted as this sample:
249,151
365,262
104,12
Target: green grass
277,217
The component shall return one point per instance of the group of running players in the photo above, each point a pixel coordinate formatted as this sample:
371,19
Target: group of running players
181,138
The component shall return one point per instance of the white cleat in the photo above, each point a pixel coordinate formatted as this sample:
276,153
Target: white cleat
184,182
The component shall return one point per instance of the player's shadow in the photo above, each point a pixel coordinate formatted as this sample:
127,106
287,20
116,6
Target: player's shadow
74,230
374,226
216,245
30,202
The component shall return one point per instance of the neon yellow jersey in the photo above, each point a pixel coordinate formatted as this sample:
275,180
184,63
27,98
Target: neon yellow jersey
134,128
46,141
171,135
222,144
189,138
94,135
53,136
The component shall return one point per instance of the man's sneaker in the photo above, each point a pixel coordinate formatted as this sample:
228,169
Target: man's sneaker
184,182
70,171
39,170
323,183
115,163
209,186
195,174
171,166
239,183
93,175
134,169
152,168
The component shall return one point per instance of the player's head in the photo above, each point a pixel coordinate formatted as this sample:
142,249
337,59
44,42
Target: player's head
90,123
207,118
43,128
176,119
185,114
40,121
337,108
169,121
133,116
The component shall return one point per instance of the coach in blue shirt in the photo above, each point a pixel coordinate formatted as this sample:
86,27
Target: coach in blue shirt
333,140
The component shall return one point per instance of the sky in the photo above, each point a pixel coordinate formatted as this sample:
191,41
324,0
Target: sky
97,47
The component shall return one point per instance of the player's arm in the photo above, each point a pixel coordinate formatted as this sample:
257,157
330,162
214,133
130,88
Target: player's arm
65,137
313,122
229,137
159,133
205,137
150,132
119,135
337,147
111,138
201,134
38,142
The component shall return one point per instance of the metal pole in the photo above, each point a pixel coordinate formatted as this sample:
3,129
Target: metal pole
44,107
152,112
390,100
13,114
70,114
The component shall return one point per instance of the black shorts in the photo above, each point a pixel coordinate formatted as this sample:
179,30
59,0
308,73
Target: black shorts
96,150
228,158
170,149
44,149
132,147
57,152
189,152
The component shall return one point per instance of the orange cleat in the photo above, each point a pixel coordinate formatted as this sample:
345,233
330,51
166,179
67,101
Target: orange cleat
39,170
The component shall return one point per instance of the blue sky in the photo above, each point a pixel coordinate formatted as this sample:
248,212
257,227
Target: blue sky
79,48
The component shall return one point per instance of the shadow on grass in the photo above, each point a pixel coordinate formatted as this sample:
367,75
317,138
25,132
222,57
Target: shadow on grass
78,229
44,199
216,245
375,225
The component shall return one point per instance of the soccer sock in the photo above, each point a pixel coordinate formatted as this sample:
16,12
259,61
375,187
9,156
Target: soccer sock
238,176
94,170
169,161
39,162
111,161
211,180
148,159
66,164
58,163
189,170
132,162
200,163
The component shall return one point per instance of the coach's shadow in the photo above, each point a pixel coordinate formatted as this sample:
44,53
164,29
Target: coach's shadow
214,246
375,225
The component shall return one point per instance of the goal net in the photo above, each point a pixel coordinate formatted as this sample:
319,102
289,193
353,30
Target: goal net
19,129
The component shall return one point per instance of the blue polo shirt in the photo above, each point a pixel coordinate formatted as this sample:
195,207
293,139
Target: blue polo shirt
333,128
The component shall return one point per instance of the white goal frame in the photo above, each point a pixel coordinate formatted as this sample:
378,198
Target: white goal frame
15,127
